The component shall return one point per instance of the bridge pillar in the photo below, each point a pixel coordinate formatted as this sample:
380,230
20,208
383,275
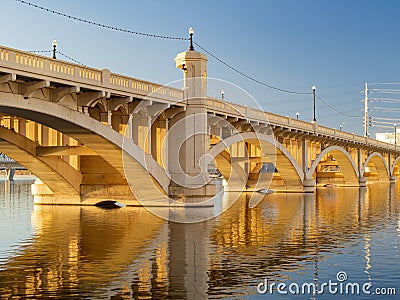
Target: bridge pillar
10,174
42,193
362,181
188,135
22,126
359,161
304,156
309,185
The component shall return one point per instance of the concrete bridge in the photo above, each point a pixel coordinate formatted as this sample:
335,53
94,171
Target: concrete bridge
92,135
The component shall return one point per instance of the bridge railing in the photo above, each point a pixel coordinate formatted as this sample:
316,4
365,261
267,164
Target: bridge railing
253,114
78,74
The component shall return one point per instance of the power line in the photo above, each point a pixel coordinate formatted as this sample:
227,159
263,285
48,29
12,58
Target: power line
384,99
386,109
381,122
337,111
387,101
248,76
386,119
39,51
384,83
382,127
59,52
70,58
100,24
385,91
269,86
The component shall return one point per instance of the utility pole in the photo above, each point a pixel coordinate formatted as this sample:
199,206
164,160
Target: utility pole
366,117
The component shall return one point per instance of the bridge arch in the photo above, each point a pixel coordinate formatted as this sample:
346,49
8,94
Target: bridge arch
285,163
345,161
102,139
380,165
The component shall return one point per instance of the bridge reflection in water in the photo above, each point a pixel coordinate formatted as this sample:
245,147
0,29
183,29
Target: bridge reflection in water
129,253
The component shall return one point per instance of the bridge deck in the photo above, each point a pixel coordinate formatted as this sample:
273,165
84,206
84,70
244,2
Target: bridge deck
23,64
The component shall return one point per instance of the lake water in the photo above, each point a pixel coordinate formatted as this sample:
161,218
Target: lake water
70,252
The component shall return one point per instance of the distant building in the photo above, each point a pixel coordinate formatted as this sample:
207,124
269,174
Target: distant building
388,137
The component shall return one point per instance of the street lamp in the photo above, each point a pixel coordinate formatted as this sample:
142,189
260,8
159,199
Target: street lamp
222,95
395,134
297,115
313,91
54,43
191,31
340,127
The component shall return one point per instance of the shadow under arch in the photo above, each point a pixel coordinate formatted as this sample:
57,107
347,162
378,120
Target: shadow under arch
285,163
225,167
380,164
346,163
395,167
100,138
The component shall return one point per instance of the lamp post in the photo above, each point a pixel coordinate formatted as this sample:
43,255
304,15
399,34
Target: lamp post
191,31
297,115
313,91
54,43
395,134
222,95
340,127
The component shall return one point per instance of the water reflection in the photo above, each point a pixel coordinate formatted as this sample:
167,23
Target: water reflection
86,252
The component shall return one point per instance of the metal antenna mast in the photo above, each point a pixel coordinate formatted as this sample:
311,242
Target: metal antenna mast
366,117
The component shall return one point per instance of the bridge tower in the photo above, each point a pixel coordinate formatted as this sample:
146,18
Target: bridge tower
188,131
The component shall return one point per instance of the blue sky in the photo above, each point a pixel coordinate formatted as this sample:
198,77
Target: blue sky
335,45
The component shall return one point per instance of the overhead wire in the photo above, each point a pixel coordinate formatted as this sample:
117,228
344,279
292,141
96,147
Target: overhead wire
383,83
380,122
384,122
385,91
70,58
382,126
248,76
385,119
337,111
383,99
385,109
100,24
59,52
39,51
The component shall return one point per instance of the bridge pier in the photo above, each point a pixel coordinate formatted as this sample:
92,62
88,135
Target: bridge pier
309,185
362,181
10,174
188,136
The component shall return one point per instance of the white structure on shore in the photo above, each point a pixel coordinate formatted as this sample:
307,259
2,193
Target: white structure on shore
388,137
